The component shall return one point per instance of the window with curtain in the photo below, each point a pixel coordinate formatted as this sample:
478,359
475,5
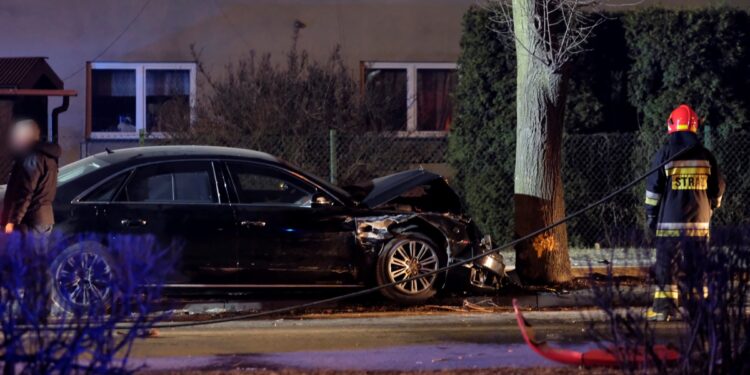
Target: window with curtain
113,100
131,99
411,97
386,91
166,90
435,89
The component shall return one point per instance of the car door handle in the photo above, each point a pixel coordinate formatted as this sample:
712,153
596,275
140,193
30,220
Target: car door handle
249,223
132,223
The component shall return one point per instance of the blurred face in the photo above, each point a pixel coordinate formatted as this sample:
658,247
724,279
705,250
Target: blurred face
23,136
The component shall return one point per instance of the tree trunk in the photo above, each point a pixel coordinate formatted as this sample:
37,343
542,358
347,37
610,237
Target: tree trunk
538,195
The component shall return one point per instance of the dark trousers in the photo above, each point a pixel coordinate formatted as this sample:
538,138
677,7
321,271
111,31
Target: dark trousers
36,229
677,258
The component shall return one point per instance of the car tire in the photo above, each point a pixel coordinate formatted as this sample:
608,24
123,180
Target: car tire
408,255
83,277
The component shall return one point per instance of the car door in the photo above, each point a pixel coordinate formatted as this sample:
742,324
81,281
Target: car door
86,212
283,239
181,204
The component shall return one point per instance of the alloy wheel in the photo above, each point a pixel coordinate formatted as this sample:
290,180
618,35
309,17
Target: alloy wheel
84,279
413,258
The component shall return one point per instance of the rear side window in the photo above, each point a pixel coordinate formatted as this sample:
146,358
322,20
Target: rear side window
179,182
106,191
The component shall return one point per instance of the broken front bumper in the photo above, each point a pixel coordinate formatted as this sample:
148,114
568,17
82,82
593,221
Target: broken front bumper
488,271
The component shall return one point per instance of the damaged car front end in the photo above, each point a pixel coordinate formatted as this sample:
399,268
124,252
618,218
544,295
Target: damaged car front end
420,206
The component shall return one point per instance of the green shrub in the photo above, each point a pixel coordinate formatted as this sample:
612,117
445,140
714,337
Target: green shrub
481,145
597,100
699,57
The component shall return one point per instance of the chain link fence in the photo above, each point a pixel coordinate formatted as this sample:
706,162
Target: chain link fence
594,165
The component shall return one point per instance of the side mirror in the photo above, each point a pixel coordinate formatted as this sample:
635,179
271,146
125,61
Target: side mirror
320,200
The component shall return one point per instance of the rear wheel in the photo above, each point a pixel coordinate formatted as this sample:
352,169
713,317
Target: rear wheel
405,257
83,278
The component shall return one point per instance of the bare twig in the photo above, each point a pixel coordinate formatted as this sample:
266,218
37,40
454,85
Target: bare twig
560,28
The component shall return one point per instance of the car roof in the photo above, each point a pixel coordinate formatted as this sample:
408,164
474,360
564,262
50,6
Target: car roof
135,155
151,152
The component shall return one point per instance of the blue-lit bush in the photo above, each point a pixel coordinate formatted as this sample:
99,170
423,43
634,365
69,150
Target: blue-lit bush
711,334
78,304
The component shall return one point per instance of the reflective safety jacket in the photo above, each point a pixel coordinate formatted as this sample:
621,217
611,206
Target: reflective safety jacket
683,194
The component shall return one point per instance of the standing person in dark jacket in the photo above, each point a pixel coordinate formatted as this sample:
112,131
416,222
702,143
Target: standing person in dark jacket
33,181
680,199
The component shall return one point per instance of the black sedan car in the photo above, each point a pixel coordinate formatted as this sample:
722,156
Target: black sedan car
246,219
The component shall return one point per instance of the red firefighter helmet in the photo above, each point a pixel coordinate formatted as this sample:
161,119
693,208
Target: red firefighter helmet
683,119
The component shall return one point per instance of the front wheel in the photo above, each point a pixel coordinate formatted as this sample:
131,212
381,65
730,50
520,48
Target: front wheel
404,257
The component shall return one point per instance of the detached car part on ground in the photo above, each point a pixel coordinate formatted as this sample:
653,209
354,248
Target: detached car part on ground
243,219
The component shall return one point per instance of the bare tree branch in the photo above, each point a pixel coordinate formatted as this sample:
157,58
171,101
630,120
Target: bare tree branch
562,27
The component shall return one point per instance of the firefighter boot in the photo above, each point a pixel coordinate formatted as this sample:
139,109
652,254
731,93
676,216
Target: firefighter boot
665,305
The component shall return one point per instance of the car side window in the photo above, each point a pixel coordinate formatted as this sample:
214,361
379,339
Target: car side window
179,182
106,191
262,185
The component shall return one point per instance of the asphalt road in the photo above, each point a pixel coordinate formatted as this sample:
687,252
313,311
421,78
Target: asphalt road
370,342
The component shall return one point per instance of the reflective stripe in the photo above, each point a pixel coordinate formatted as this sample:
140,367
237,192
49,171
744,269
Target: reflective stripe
705,292
682,229
668,291
682,233
670,294
688,163
652,199
682,226
652,195
683,127
688,171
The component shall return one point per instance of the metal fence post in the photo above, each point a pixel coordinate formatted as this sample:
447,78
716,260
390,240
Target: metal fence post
332,159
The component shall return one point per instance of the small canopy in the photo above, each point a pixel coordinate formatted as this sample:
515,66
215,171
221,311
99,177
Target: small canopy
28,82
30,76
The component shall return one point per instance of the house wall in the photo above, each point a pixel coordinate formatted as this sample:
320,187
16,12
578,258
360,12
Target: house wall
73,32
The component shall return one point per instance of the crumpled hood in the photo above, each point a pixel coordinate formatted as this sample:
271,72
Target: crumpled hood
384,189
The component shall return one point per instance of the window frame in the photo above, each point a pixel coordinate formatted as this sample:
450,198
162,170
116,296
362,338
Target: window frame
84,196
411,91
140,95
234,195
222,198
133,174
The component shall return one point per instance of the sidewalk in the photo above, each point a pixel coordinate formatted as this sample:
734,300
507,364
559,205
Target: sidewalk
427,342
585,298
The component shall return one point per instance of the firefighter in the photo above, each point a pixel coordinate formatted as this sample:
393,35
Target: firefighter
680,199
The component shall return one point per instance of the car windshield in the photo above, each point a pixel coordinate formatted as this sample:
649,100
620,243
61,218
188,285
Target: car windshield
79,168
